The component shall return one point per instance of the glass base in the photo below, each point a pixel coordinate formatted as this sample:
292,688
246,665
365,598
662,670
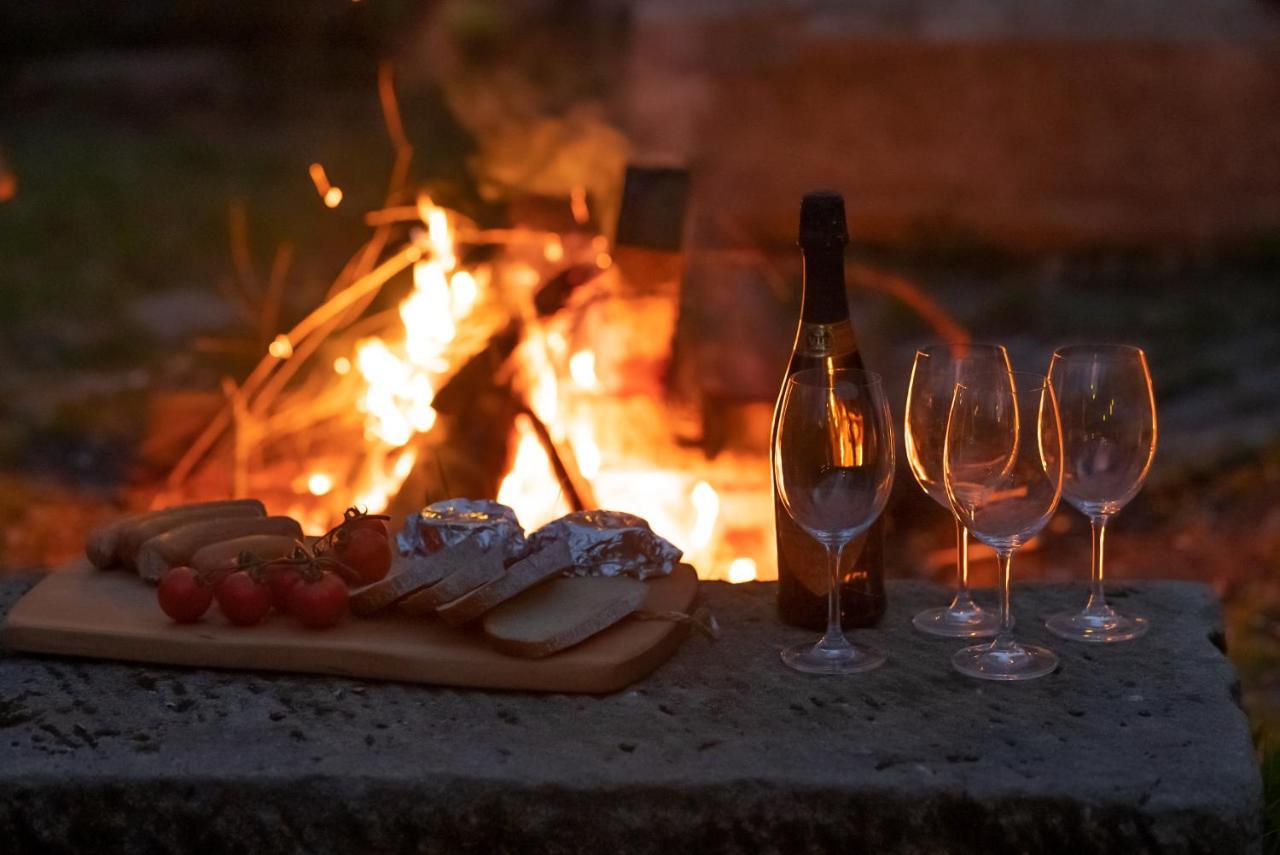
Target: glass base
1010,661
1100,626
970,621
820,659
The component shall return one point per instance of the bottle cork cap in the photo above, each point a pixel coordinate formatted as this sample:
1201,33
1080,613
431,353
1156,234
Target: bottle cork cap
822,219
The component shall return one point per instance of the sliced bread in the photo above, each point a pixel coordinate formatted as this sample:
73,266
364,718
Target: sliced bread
410,573
521,576
463,580
561,613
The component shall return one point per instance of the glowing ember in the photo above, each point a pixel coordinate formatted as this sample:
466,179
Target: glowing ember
582,367
280,347
706,504
742,570
331,195
578,205
319,484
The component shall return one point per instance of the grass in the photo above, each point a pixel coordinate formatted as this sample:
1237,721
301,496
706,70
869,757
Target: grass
121,199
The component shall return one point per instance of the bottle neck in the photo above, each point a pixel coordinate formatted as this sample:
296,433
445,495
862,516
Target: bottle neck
824,299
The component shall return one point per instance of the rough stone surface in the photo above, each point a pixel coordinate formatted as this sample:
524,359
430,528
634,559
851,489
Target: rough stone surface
1140,748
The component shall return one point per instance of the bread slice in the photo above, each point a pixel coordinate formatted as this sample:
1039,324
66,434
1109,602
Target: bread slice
521,576
561,613
411,573
465,579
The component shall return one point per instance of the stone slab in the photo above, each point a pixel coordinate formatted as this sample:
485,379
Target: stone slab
1140,748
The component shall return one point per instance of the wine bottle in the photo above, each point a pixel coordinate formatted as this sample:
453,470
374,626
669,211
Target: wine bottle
825,339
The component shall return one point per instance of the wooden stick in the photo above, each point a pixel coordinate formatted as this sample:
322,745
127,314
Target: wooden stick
270,315
239,439
571,491
364,286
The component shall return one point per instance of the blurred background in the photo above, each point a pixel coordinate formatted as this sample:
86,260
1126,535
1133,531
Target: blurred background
1037,173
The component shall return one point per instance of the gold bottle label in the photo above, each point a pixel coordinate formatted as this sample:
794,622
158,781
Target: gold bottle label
823,340
804,556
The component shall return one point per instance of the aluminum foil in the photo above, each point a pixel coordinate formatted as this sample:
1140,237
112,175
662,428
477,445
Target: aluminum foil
610,543
452,521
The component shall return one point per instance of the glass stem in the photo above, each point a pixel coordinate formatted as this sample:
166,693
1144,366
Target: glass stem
1004,638
834,638
1097,596
963,600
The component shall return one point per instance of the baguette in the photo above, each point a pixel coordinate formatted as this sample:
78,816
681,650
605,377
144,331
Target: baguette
410,573
466,578
138,532
521,576
225,554
179,545
561,613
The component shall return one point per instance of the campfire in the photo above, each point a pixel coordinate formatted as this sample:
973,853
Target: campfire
519,363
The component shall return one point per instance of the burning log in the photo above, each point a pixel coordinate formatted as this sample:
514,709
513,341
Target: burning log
559,289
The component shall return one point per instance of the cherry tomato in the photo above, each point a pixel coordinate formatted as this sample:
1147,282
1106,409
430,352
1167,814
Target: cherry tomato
281,578
365,554
243,599
213,576
321,603
371,524
183,596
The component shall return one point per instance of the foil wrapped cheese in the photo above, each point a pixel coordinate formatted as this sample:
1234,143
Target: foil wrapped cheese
609,543
448,523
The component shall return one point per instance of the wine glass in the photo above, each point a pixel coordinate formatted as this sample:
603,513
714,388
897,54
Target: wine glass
1109,440
934,375
1002,467
833,463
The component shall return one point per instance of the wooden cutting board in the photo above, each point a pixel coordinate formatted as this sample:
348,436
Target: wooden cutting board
80,611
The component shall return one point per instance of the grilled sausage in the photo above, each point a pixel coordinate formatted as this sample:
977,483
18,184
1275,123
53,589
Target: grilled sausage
103,544
135,534
179,545
224,554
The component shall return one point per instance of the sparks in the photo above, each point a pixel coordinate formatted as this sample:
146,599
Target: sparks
331,195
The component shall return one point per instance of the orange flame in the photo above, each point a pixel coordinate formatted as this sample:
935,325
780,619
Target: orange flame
589,374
